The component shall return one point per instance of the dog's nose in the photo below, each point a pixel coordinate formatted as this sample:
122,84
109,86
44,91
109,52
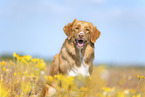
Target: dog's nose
81,35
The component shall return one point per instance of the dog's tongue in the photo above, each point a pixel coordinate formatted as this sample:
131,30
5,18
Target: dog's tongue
80,44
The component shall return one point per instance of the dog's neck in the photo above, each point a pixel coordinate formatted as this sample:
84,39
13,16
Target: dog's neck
79,52
81,56
79,67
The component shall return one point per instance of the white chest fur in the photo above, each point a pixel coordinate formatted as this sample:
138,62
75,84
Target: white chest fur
82,70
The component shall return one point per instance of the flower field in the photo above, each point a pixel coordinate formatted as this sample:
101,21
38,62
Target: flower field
24,76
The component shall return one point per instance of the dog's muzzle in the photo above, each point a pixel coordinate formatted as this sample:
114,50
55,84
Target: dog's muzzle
80,41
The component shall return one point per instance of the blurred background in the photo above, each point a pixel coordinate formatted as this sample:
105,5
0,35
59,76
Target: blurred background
36,28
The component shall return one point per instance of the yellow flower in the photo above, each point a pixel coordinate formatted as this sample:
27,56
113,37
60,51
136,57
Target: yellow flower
25,73
140,77
12,63
4,63
14,54
100,95
19,57
15,74
24,61
4,69
138,95
121,94
28,58
84,89
41,60
107,89
59,77
133,91
34,60
3,91
19,73
50,78
46,77
28,75
41,64
32,75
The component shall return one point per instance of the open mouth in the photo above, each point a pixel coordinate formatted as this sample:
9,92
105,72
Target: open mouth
80,42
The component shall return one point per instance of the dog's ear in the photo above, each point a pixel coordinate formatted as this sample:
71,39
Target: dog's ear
68,28
95,35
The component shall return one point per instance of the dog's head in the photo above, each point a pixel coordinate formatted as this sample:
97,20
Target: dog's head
81,32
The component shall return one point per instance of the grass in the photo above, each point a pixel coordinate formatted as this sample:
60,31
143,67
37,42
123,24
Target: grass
24,76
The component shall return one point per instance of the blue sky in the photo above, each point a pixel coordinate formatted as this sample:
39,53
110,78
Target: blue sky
35,27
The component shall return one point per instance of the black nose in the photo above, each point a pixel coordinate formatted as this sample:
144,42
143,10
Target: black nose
81,35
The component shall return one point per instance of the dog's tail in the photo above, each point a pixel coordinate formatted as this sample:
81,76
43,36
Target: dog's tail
47,91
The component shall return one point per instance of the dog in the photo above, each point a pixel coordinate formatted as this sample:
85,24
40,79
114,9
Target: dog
77,53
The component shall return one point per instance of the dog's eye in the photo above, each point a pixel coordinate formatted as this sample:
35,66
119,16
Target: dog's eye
87,29
77,27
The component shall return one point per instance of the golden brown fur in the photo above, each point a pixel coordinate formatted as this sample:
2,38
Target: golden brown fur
69,56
